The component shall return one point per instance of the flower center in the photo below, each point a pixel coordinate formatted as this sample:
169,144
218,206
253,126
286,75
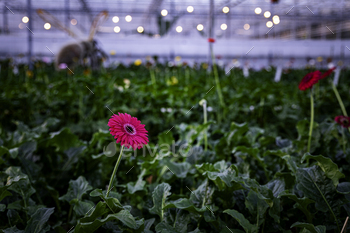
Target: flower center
345,121
130,129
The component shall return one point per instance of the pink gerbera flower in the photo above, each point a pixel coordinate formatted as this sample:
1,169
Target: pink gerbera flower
128,130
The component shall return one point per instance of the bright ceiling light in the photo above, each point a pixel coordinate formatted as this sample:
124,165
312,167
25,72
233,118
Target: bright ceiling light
267,14
47,26
246,26
164,12
258,10
140,29
223,26
225,9
128,18
25,19
116,29
190,9
179,29
115,19
74,22
276,19
200,27
269,24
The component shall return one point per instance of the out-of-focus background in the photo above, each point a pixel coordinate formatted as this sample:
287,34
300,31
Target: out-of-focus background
254,33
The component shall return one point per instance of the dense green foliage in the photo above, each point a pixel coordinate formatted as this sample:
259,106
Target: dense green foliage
255,176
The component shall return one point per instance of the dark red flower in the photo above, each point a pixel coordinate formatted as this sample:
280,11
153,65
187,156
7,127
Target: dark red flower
327,73
309,80
211,40
343,121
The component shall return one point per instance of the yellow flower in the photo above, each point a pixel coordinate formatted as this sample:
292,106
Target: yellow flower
29,73
174,80
205,66
177,58
112,52
319,59
138,62
87,72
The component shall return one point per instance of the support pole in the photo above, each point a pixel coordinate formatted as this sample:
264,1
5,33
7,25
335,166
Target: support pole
5,20
67,12
30,38
211,33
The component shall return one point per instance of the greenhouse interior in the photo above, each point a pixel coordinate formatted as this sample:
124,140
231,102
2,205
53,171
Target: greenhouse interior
174,116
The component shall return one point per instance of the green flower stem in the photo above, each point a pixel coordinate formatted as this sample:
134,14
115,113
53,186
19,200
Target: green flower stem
205,121
153,78
311,120
217,81
339,99
114,171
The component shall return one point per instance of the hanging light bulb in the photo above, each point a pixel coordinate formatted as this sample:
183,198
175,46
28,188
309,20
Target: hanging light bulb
128,18
267,14
179,29
258,11
47,26
116,29
25,19
164,12
140,29
276,19
190,9
200,27
225,9
115,19
223,26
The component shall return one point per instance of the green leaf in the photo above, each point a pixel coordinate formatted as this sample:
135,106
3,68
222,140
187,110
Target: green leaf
82,208
165,138
164,227
18,182
112,203
2,207
310,227
328,167
123,216
159,195
291,163
73,156
316,186
247,226
219,173
256,206
276,210
179,169
13,217
77,188
276,186
139,185
301,203
27,149
13,229
64,139
37,223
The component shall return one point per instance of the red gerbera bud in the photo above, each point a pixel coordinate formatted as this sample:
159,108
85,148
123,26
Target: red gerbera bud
343,121
211,40
309,80
327,73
